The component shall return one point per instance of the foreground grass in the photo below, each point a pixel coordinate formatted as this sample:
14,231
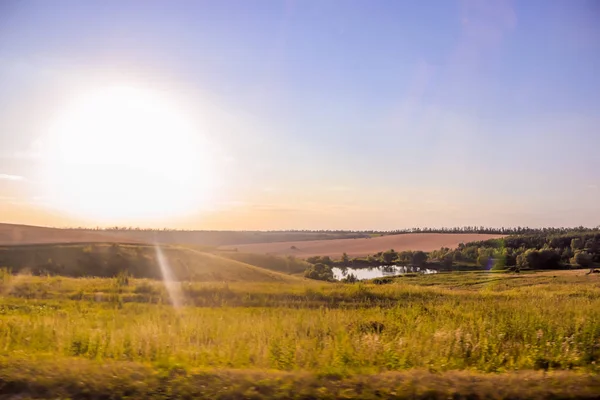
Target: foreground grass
461,335
45,378
493,326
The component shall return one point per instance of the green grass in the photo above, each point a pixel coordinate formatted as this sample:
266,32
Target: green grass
419,337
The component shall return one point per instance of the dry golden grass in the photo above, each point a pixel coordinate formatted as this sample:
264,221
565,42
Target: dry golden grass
455,335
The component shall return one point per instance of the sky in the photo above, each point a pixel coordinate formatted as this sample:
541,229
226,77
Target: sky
300,114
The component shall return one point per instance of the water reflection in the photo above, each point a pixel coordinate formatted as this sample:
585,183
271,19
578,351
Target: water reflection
378,272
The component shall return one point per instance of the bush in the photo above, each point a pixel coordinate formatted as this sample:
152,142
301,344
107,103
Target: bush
319,272
382,281
351,278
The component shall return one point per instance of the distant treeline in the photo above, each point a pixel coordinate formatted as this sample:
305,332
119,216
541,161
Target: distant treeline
518,230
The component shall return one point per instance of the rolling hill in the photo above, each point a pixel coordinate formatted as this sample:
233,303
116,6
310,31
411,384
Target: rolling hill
300,244
142,261
362,246
28,234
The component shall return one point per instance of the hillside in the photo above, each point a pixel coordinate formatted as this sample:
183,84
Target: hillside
106,260
28,234
223,238
363,246
286,265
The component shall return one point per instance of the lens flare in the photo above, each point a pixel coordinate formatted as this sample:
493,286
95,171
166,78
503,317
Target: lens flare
173,286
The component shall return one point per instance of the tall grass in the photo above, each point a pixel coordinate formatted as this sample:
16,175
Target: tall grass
530,322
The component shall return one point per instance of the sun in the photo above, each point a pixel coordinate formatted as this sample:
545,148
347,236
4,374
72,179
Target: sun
125,154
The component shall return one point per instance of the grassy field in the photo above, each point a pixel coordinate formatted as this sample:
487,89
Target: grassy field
361,247
475,335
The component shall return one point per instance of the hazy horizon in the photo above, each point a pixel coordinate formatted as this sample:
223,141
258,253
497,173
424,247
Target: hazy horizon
278,115
415,229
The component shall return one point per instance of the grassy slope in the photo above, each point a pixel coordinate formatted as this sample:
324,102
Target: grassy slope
286,265
216,268
139,260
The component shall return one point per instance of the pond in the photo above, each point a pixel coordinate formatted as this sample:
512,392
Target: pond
378,272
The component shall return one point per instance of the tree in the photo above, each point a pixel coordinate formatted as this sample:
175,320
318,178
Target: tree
345,259
448,260
326,260
457,256
583,259
549,259
591,246
483,260
567,254
576,244
521,261
469,253
545,259
405,257
319,272
510,260
388,257
419,258
314,259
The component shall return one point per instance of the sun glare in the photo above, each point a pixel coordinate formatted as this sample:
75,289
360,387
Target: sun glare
124,153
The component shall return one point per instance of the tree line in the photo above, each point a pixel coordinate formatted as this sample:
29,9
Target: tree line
535,251
518,230
550,249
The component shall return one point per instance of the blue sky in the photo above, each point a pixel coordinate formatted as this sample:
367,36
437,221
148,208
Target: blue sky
330,114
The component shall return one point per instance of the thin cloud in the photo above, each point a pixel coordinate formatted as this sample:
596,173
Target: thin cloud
274,208
7,177
340,189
